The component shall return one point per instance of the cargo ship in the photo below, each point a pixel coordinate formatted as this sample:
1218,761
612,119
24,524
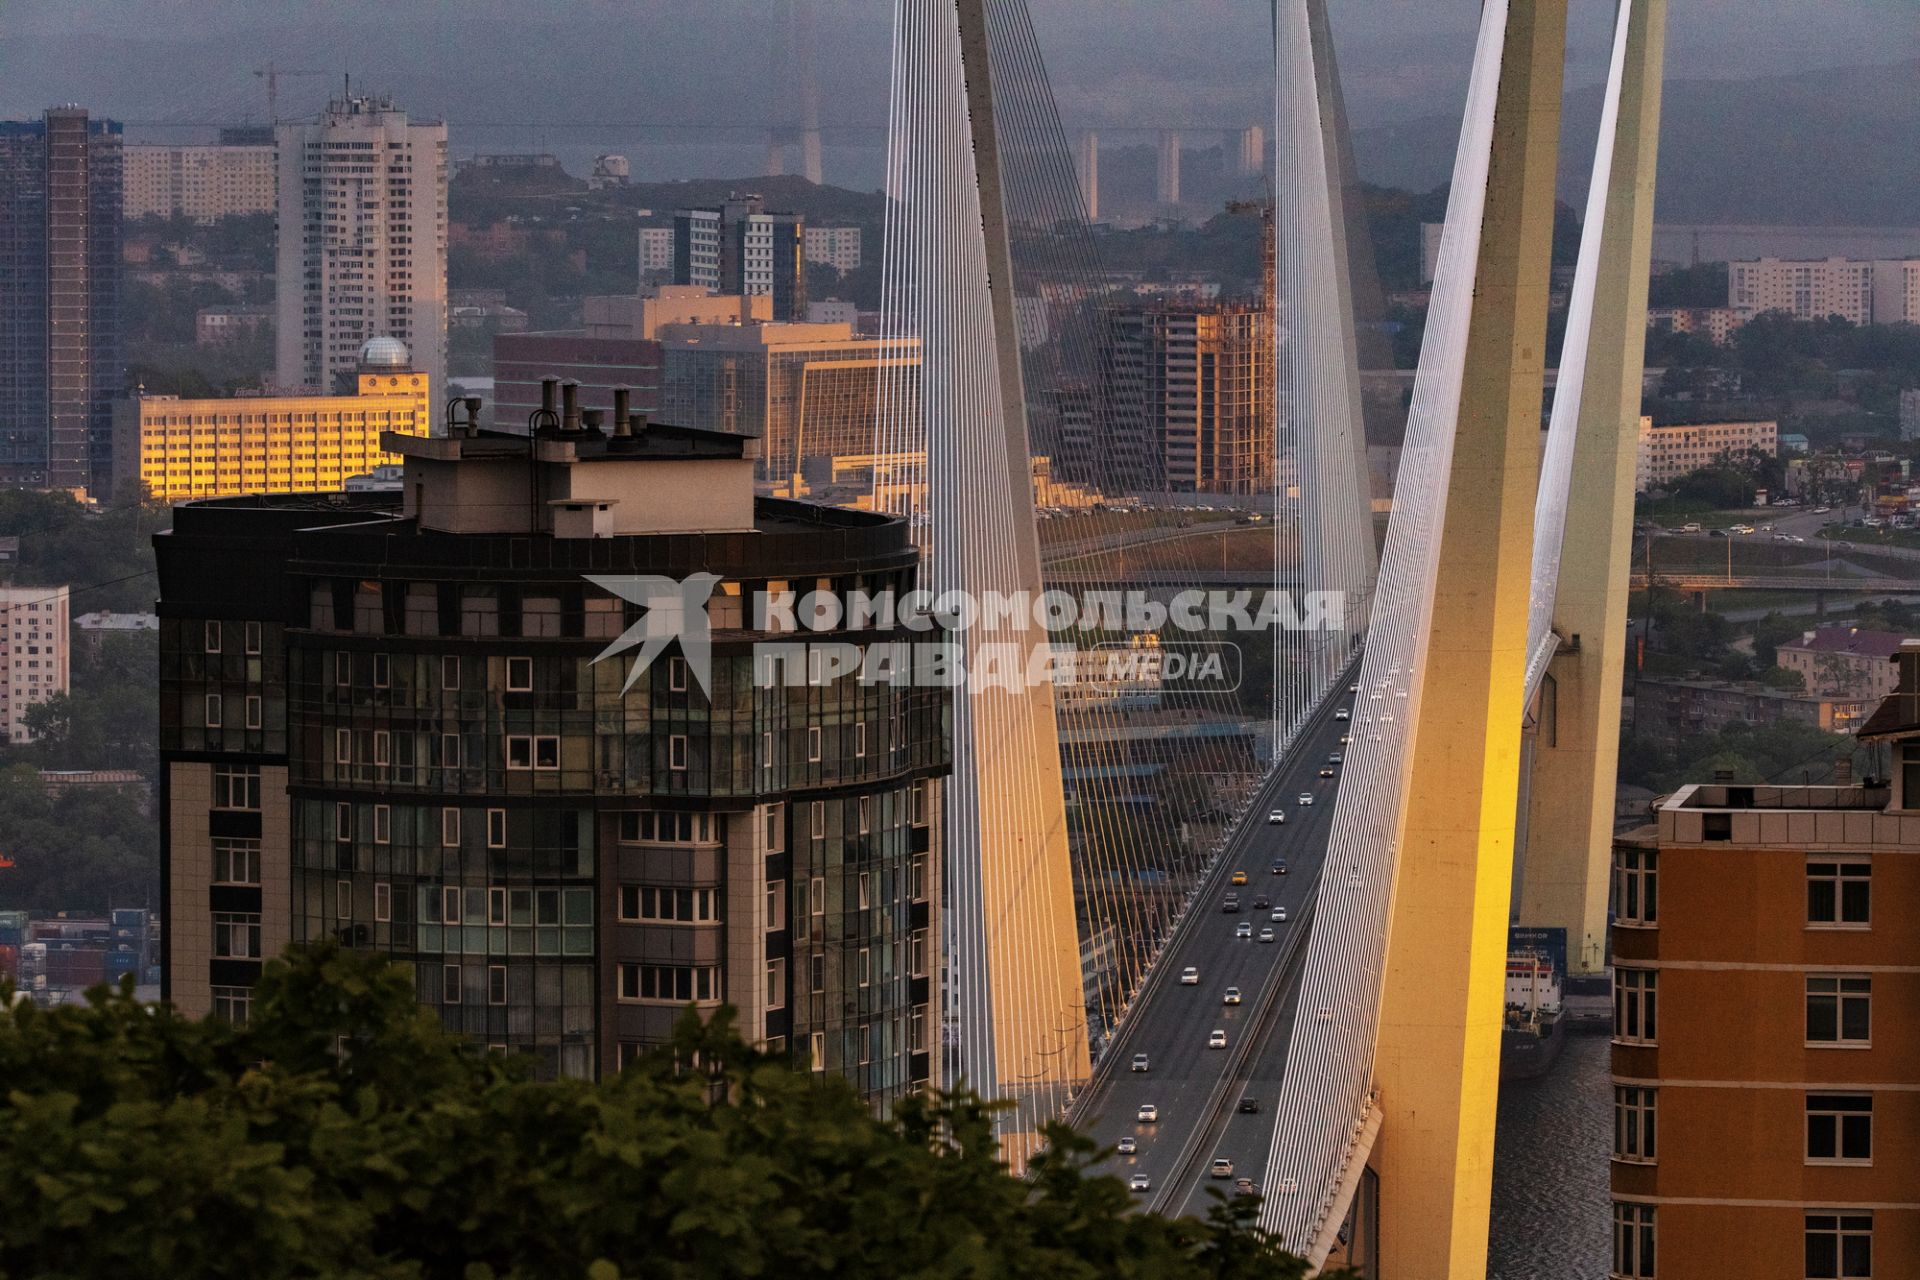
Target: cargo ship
1532,1036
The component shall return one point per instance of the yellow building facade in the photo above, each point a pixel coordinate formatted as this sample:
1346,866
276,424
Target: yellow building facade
177,450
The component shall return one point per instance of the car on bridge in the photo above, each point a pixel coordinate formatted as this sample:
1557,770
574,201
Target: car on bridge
1334,758
1344,713
1306,797
1238,877
1147,1114
1222,1168
1218,1040
1326,771
1245,1187
1279,866
1140,1182
1279,915
1249,1106
1232,996
1140,1062
1127,1146
1276,817
1243,930
1261,902
1266,935
1345,738
1230,905
1189,977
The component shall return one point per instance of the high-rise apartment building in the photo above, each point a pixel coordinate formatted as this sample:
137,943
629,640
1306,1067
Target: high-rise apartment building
201,181
1667,453
1858,290
362,242
740,248
179,450
1766,1052
806,390
34,653
60,277
1189,402
836,247
385,719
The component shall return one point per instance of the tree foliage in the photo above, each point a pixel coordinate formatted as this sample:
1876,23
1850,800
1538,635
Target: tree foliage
138,1142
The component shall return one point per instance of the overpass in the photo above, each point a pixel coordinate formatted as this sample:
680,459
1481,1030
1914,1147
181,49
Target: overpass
1844,585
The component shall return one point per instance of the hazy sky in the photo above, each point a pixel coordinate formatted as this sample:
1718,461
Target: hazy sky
580,74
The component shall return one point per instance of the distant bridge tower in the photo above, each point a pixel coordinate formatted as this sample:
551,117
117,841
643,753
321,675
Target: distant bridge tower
1089,167
1167,180
795,109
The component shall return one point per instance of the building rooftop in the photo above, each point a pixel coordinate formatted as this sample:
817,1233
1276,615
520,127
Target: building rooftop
1851,640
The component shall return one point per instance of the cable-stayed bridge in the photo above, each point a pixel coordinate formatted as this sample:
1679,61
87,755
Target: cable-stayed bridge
1479,649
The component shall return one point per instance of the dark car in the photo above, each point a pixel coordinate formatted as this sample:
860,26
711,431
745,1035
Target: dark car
1230,904
1279,866
1261,903
1249,1106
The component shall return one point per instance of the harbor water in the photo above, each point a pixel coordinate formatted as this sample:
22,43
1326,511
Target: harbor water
1550,1202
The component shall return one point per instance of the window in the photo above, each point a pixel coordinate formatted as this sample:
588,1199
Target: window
255,711
816,973
1840,1128
343,822
817,896
674,906
766,751
1634,1007
860,738
211,635
450,904
1632,1239
813,745
382,671
677,752
450,750
519,675
1635,886
1633,1123
382,748
917,953
776,828
917,877
817,1051
382,901
1839,892
646,826
546,751
777,983
233,1004
865,969
1839,1245
236,786
213,711
669,983
497,905
496,828
449,673
382,824
236,861
776,905
450,828
1839,1010
863,882
343,669
677,674
535,751
252,632
236,935
343,899
819,819
865,809
450,983
343,746
917,804
496,984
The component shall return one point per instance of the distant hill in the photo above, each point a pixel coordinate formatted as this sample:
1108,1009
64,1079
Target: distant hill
1784,150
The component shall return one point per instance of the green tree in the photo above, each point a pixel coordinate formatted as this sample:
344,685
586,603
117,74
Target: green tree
342,1133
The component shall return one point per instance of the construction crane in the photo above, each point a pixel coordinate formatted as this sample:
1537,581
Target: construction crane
1265,209
271,74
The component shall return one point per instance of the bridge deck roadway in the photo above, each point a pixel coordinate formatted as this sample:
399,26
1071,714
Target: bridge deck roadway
1197,1089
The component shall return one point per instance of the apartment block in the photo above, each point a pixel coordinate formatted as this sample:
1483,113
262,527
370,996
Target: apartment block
1858,290
1667,453
34,648
180,450
1766,1051
836,247
204,182
362,200
742,248
388,719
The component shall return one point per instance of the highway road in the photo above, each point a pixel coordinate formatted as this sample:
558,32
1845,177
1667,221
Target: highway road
1196,1088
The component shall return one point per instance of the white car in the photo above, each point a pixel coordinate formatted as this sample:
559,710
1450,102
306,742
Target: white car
1344,713
1221,1168
1128,1145
1266,935
1232,996
1276,817
1243,930
1306,797
1353,688
1139,1062
1279,915
1218,1040
1147,1114
1140,1182
1189,977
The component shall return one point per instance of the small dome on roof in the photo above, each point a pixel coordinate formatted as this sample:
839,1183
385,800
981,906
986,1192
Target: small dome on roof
385,353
